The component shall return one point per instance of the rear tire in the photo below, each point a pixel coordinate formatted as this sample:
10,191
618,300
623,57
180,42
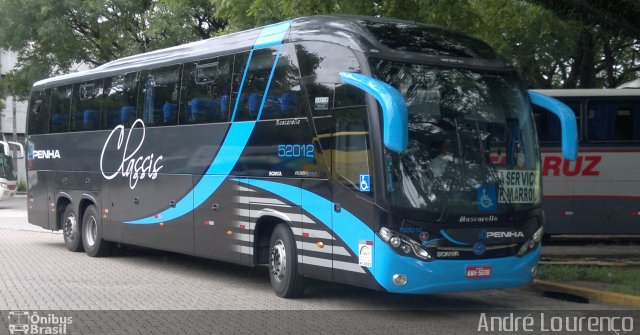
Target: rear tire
283,264
92,240
71,229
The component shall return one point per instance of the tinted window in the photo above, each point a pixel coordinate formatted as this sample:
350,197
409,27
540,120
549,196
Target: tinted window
548,124
161,95
352,154
207,88
39,112
60,109
119,105
428,39
283,97
325,61
320,63
320,96
86,106
611,120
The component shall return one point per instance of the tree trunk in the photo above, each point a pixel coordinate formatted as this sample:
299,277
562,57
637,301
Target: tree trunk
609,64
586,72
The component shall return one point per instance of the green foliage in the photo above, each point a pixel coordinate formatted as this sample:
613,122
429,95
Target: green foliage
610,278
561,47
52,37
22,186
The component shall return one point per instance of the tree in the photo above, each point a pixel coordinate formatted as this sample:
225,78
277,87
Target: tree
608,48
573,43
50,37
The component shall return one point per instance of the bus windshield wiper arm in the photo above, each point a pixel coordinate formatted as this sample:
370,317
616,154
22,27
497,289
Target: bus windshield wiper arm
493,173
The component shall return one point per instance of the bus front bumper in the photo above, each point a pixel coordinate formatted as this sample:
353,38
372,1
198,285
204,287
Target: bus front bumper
453,275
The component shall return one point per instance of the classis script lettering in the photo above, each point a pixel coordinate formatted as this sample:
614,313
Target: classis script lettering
133,167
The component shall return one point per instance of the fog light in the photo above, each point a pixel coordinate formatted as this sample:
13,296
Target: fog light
399,279
395,241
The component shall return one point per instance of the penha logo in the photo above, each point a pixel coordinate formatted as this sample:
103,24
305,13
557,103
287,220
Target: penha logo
132,167
43,154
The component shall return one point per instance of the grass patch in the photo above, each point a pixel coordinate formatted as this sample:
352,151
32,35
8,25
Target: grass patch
609,278
22,186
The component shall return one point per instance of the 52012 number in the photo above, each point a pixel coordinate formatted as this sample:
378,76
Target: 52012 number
296,150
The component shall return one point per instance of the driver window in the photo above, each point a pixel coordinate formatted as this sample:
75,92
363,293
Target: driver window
352,150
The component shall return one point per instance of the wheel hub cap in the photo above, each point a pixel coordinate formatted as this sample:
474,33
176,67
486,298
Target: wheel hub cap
70,227
91,231
278,261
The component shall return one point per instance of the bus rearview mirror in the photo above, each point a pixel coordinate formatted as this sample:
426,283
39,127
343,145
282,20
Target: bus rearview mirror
394,108
567,122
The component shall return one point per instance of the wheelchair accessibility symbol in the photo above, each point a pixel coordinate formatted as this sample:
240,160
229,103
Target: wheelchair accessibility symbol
487,198
365,185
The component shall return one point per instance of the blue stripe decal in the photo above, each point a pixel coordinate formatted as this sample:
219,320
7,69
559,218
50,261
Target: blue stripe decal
423,277
272,35
266,91
346,225
451,239
225,160
233,145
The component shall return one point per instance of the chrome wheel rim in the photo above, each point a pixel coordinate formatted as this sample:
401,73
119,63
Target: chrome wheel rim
278,261
91,231
70,227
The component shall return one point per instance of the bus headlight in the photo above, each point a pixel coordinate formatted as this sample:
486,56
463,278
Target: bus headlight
3,185
403,244
531,243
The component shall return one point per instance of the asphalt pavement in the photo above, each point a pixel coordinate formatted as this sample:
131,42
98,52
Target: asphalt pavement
140,288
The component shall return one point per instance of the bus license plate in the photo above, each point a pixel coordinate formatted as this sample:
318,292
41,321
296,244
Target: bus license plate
483,271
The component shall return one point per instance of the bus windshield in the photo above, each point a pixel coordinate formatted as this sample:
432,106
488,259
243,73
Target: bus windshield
6,167
472,145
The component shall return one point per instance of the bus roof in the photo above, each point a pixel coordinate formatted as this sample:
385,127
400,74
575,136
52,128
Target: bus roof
591,92
362,33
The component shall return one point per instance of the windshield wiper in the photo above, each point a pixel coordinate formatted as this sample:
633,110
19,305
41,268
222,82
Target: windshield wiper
444,212
493,172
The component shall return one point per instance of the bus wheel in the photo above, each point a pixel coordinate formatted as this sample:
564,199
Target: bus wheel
283,264
92,240
71,229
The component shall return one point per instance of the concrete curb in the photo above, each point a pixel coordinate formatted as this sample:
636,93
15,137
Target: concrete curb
603,297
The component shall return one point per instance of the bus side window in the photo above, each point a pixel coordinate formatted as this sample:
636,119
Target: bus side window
39,112
613,120
255,82
120,100
548,125
86,104
320,63
60,109
206,91
284,99
161,96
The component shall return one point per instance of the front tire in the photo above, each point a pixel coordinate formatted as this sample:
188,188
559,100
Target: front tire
92,240
71,229
283,264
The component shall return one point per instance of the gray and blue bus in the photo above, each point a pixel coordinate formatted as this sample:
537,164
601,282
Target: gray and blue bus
348,149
